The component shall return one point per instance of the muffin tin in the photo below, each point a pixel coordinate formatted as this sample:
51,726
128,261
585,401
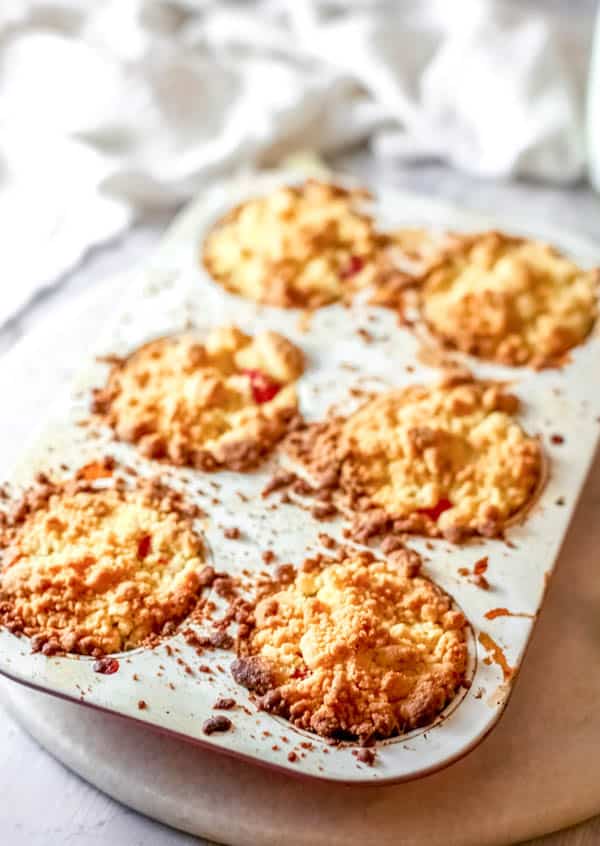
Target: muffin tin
168,687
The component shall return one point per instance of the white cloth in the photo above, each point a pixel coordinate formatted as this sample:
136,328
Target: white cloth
109,107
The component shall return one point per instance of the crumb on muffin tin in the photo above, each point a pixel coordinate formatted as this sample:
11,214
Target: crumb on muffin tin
94,570
445,461
512,300
355,647
218,402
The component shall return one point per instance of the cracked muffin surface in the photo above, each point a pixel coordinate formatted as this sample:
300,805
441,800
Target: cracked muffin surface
98,571
515,301
355,648
221,401
445,461
300,246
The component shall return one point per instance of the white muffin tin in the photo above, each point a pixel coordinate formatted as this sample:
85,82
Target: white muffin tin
152,686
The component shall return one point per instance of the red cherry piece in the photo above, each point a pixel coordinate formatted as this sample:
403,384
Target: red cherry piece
144,546
354,266
435,512
263,387
300,673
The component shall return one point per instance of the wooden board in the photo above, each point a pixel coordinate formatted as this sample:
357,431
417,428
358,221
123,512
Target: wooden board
537,772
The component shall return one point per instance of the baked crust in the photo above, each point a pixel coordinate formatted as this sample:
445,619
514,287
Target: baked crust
224,402
301,246
512,300
445,461
355,648
94,570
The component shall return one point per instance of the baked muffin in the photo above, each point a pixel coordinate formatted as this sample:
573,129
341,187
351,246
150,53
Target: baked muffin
511,300
221,402
300,246
97,570
355,648
448,460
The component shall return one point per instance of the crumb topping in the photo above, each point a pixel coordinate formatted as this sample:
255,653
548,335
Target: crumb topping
444,461
217,723
355,648
300,246
221,403
515,301
97,571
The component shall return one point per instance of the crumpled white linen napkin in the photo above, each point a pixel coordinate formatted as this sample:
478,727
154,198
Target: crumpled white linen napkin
109,108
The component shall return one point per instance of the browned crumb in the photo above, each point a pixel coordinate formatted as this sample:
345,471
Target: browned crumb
220,640
365,755
207,576
142,705
476,575
280,479
225,587
324,511
224,704
327,541
285,574
218,723
232,533
217,639
390,544
102,469
481,565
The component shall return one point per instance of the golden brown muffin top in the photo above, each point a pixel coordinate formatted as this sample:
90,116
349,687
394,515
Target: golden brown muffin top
355,648
97,571
300,246
515,301
222,401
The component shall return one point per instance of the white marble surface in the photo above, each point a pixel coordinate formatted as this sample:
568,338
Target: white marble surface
41,803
